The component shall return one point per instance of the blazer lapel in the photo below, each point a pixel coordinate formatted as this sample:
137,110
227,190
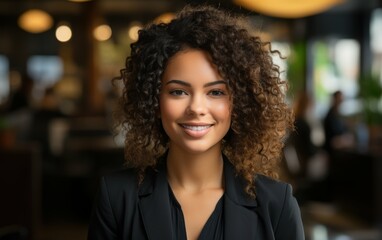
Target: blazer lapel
241,218
240,211
154,205
239,222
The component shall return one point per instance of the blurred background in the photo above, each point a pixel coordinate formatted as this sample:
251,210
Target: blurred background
57,59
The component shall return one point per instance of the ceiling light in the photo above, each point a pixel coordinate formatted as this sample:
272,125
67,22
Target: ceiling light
63,33
102,32
133,30
35,21
164,18
288,8
79,0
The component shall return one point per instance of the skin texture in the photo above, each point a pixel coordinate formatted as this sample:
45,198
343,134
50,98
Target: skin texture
260,118
195,104
195,110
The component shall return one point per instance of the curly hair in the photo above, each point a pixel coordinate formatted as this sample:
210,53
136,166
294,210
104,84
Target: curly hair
260,116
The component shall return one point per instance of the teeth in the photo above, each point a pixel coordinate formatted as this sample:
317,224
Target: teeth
196,128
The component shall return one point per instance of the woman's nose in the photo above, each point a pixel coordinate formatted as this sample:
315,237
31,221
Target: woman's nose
197,105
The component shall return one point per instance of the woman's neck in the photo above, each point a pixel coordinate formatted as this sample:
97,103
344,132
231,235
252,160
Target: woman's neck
194,172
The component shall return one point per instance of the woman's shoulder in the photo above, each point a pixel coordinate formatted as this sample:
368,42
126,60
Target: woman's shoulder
277,203
271,190
127,181
122,175
120,181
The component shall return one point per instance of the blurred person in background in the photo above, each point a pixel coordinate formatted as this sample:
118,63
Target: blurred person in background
205,120
301,137
46,111
18,109
311,159
337,134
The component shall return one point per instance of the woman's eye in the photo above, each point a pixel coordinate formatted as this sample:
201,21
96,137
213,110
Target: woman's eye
177,92
216,93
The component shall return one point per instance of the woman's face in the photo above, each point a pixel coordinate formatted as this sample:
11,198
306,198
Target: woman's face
195,103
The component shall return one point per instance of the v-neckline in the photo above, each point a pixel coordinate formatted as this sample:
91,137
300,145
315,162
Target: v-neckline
179,221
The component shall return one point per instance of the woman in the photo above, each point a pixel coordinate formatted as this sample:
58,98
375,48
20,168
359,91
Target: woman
301,138
205,117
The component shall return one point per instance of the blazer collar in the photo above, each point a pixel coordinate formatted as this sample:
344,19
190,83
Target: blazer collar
240,211
154,204
234,186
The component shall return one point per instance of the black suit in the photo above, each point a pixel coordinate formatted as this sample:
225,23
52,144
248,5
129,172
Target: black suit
125,211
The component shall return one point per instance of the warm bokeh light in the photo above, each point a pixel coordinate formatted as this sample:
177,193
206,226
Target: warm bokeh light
63,33
288,8
133,31
102,32
164,18
35,21
79,1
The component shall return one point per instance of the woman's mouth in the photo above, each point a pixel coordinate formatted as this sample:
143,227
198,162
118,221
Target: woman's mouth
196,131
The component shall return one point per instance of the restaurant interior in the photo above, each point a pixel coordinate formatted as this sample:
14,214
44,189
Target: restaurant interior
57,103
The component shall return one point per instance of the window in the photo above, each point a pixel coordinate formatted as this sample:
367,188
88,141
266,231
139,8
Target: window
336,66
376,42
45,72
4,78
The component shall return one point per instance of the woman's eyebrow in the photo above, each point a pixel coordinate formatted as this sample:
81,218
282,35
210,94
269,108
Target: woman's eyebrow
178,82
189,85
215,83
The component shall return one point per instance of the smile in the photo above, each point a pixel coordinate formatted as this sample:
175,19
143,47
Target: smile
196,128
196,131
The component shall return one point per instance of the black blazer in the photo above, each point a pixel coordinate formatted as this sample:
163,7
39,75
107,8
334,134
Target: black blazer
124,211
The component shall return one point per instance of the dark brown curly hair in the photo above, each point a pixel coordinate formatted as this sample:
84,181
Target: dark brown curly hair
260,116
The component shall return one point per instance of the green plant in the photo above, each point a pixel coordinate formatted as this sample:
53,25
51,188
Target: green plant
371,97
296,68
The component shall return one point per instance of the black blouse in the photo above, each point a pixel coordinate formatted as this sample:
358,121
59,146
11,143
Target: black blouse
212,230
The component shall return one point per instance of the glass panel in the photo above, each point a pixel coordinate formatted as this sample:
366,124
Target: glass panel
45,72
376,42
372,84
4,78
336,67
